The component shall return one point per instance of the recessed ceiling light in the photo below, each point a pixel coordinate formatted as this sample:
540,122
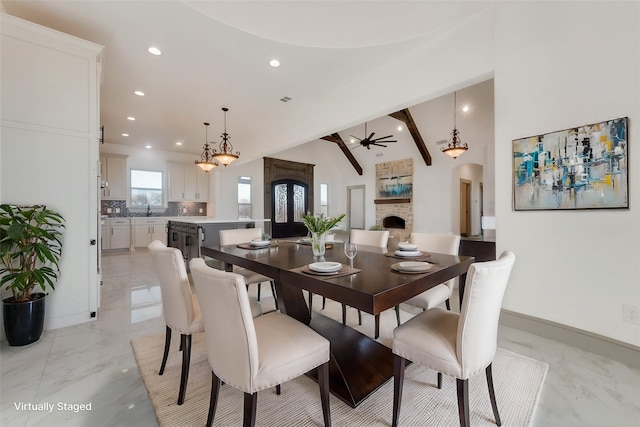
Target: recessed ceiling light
131,118
125,134
139,93
274,63
352,140
400,128
178,143
154,51
465,108
147,146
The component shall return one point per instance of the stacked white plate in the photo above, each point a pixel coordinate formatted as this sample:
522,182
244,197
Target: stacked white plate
260,242
325,267
407,250
411,266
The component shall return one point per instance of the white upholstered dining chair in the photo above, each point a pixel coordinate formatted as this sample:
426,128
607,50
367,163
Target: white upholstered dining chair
459,345
378,238
180,307
439,243
254,354
245,235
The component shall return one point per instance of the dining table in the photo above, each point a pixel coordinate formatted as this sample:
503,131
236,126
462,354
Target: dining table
359,364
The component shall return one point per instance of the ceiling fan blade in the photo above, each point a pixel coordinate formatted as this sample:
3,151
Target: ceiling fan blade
378,144
371,136
355,137
383,137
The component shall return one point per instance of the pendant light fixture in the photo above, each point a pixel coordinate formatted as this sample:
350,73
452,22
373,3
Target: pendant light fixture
455,147
206,162
225,155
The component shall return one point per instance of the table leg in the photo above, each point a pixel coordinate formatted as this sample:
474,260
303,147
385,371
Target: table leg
461,285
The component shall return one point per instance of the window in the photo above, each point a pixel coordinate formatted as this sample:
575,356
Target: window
244,197
324,199
146,189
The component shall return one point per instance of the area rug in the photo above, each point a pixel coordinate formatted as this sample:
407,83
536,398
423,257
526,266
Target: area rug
518,382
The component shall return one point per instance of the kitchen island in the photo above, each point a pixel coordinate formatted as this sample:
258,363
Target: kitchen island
189,234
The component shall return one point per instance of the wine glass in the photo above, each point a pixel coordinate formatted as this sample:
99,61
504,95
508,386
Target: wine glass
350,250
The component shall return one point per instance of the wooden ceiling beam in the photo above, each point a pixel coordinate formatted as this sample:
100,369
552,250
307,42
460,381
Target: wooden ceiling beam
335,138
405,117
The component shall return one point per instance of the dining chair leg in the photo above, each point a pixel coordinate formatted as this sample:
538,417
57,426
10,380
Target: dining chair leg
310,303
492,394
273,292
185,341
323,381
397,314
448,304
439,380
259,287
250,405
167,344
359,318
213,400
463,402
399,364
344,314
278,390
376,333
324,302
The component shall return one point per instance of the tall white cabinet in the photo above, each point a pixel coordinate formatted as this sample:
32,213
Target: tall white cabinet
49,150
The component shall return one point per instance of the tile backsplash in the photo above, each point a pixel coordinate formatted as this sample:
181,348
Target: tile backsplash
118,209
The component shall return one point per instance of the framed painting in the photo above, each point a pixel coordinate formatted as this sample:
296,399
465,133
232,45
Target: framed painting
577,168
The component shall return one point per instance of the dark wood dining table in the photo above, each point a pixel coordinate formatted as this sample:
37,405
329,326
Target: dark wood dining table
359,364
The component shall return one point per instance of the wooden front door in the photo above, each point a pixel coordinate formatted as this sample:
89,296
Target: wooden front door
290,202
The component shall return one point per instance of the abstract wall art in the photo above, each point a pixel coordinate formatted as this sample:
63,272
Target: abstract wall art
577,168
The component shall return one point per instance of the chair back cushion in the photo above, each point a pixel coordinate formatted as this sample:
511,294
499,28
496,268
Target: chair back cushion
241,235
232,346
439,243
478,325
177,300
370,237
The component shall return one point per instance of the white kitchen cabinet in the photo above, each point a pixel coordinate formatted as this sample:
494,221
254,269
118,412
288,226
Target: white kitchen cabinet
114,173
187,182
116,234
146,230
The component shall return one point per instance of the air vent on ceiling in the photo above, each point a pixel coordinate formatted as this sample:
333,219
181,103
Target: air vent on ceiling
285,99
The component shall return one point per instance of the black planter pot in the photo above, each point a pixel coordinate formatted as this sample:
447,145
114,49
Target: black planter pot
23,321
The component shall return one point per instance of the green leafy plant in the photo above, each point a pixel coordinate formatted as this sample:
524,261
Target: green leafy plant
320,224
30,249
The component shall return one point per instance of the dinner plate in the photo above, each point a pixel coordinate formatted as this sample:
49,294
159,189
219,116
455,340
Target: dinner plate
325,267
411,266
408,253
260,242
407,247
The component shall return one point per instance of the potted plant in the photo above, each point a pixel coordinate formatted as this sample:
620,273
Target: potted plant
318,227
30,250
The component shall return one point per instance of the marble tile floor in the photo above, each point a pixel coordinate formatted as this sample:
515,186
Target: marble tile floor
92,364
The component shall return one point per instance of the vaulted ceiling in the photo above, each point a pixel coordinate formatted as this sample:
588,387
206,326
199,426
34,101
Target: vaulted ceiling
216,54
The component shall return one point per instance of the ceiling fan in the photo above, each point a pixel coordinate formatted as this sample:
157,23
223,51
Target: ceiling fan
368,141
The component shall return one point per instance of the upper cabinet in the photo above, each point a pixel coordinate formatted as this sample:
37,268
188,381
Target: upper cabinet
113,174
187,182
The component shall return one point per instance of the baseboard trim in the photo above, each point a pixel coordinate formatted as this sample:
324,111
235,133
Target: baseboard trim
617,350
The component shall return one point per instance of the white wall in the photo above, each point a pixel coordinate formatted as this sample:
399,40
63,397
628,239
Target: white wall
561,65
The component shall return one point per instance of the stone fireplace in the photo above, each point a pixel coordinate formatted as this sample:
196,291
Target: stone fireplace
395,213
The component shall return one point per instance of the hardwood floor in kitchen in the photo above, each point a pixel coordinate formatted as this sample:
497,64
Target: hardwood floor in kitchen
46,383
